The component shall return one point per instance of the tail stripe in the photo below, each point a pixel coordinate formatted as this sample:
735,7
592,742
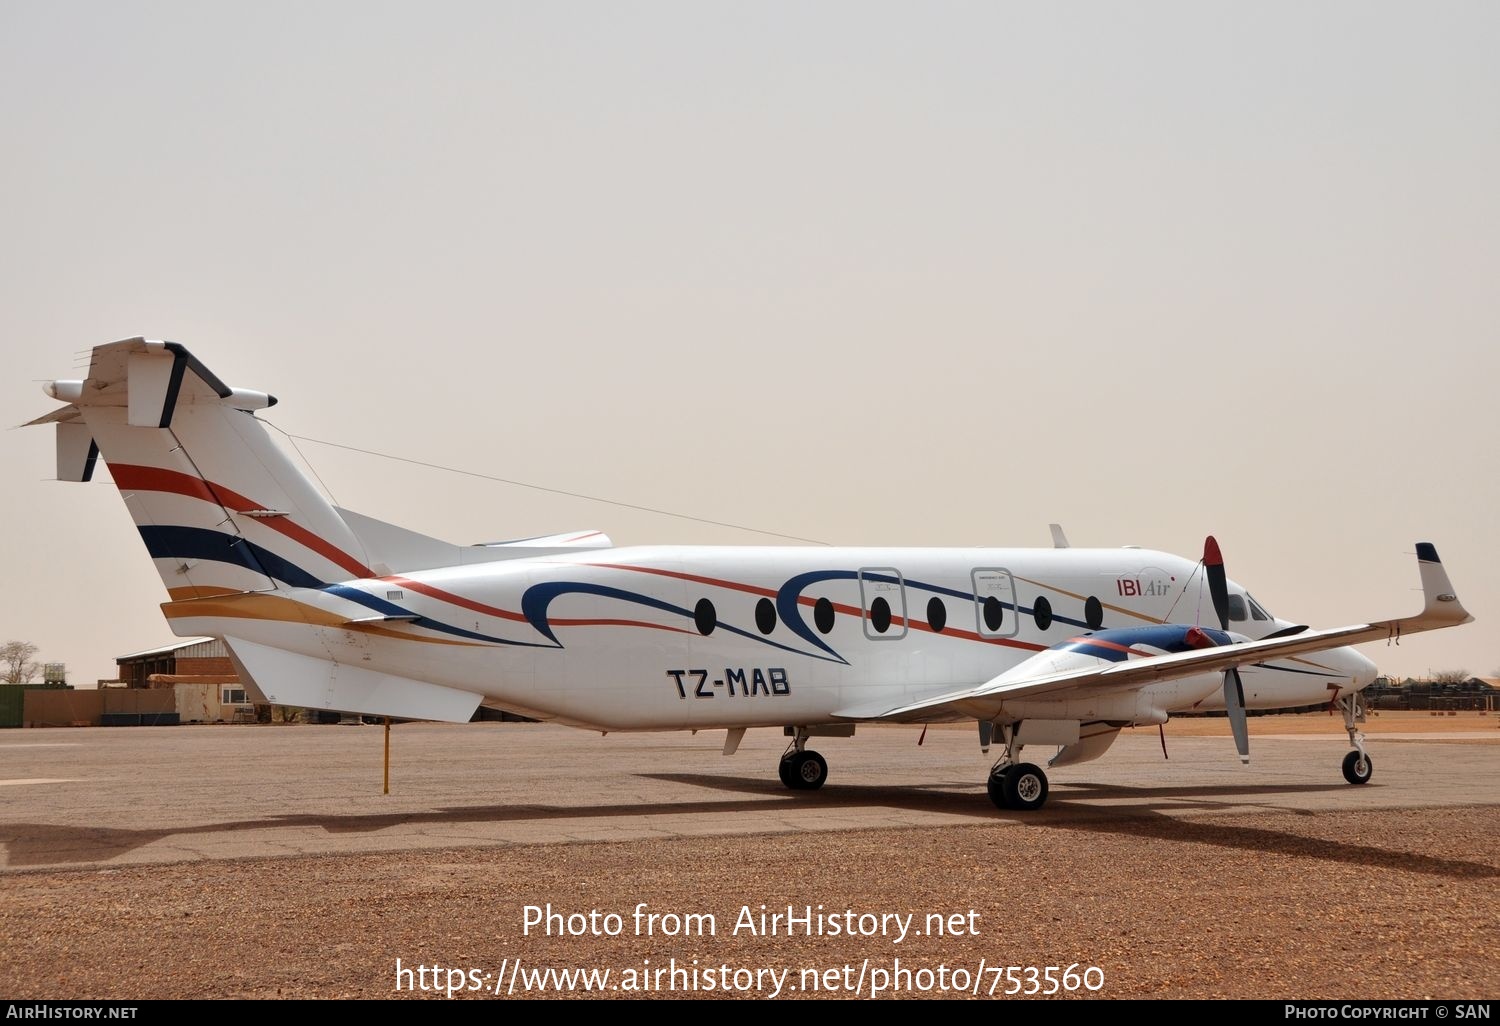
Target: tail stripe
157,479
202,543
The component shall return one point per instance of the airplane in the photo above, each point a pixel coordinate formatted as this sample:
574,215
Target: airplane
329,609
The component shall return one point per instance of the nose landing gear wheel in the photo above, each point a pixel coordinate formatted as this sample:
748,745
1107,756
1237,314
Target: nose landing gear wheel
1358,768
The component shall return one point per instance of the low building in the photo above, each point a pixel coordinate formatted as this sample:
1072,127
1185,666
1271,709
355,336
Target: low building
189,658
200,673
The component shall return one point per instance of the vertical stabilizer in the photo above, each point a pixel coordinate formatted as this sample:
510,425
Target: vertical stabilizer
220,507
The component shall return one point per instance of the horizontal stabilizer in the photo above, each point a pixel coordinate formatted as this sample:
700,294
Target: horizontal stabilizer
288,678
565,541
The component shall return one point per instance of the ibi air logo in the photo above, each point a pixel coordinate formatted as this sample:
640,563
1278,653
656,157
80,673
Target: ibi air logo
1152,582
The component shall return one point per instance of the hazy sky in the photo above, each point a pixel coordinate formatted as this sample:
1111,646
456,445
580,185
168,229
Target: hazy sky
868,273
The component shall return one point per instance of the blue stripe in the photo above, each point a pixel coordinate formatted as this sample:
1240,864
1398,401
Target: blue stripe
791,613
217,547
385,608
174,385
1293,669
539,596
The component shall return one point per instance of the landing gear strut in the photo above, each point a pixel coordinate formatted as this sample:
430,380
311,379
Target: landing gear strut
1016,785
1358,766
802,769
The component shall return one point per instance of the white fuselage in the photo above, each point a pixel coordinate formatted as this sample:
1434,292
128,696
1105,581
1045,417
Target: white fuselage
650,638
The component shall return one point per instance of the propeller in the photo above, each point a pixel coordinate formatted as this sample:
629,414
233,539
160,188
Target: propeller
1234,689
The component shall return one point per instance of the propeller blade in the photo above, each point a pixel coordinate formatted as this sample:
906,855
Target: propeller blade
1218,586
1234,704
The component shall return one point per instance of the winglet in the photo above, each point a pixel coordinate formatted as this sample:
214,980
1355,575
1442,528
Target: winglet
1440,605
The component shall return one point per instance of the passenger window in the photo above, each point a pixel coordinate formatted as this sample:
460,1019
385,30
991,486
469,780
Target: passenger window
937,614
882,593
823,615
994,613
1041,611
765,616
1093,613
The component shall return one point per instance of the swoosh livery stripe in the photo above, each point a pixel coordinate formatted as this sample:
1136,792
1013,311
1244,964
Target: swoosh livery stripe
386,608
452,599
540,596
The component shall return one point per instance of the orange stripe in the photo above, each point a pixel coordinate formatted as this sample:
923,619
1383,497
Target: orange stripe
750,588
1106,644
617,623
451,598
182,594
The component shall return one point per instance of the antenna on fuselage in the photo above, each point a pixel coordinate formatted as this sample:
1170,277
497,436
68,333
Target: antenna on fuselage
1059,540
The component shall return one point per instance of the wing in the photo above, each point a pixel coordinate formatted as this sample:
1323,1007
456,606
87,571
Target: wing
1441,608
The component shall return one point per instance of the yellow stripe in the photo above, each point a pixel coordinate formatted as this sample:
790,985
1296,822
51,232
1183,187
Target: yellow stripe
280,609
182,594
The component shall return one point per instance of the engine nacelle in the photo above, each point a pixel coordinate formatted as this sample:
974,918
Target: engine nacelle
1143,705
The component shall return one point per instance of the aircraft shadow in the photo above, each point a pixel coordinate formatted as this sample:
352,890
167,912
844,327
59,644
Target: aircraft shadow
40,844
1149,820
37,844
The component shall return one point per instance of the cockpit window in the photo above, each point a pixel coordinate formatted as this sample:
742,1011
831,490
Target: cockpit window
1237,609
1257,611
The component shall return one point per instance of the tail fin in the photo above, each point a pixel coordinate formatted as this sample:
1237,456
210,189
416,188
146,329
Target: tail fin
221,508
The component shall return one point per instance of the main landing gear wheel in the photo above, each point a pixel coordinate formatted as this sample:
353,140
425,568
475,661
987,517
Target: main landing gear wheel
997,784
1025,787
1358,768
803,771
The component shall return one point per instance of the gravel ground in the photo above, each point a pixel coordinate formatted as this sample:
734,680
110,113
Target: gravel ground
1349,904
